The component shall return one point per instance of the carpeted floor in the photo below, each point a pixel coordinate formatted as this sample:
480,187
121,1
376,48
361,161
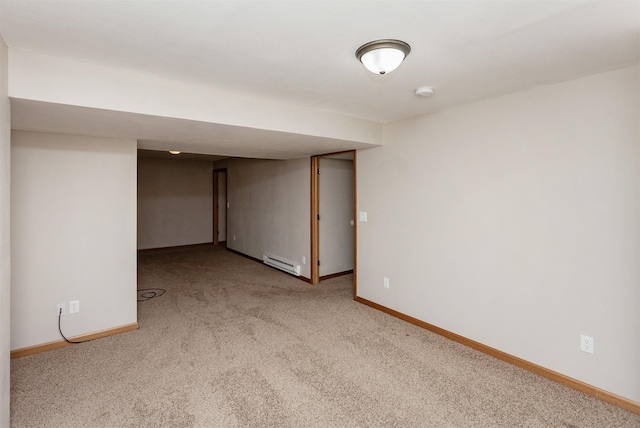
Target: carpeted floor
235,343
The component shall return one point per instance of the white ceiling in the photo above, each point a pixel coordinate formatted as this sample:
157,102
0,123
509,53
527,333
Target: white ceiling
302,52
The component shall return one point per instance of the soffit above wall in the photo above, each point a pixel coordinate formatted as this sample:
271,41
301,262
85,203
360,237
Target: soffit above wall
164,134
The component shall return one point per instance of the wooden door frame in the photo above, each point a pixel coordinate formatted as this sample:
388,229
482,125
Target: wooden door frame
216,196
315,224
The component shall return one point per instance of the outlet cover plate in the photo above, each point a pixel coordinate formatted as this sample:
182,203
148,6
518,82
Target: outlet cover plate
74,306
586,344
61,306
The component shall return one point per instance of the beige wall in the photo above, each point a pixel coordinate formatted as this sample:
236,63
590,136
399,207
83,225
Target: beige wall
175,202
73,228
269,205
514,222
5,249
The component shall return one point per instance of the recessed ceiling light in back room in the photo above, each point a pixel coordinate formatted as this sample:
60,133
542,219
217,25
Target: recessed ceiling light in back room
174,152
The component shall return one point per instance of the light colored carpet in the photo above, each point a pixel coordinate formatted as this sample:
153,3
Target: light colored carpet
235,343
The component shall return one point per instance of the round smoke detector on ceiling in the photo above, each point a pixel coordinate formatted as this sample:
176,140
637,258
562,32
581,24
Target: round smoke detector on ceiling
424,91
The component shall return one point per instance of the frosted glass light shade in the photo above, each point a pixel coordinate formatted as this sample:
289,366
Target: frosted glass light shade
383,56
381,61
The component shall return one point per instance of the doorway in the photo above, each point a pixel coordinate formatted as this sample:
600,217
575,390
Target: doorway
333,208
219,206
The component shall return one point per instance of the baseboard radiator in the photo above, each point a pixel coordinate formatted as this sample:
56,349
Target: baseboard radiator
282,264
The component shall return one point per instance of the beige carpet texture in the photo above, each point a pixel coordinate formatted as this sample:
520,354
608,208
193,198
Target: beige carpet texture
233,343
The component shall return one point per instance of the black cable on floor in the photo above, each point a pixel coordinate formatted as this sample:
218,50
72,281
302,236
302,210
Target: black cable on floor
63,336
150,293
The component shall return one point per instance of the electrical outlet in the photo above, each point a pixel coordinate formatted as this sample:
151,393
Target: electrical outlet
586,344
234,237
385,283
74,306
304,260
60,307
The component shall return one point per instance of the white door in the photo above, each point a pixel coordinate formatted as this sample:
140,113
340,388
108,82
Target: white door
336,215
222,206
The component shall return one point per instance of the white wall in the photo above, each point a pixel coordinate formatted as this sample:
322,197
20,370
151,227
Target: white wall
336,213
73,228
514,222
5,248
269,208
175,202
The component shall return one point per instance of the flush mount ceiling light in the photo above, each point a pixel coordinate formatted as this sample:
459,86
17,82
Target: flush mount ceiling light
383,56
174,152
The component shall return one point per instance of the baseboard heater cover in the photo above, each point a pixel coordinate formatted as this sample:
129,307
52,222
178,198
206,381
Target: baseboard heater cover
282,264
